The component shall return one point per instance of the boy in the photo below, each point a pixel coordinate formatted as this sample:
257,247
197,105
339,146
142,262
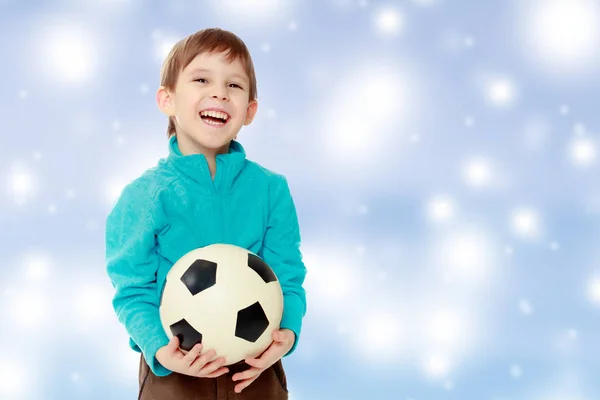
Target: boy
204,192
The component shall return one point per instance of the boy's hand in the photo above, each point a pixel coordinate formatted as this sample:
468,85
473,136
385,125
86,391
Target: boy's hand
193,363
283,340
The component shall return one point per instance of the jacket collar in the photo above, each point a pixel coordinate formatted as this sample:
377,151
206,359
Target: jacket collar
195,166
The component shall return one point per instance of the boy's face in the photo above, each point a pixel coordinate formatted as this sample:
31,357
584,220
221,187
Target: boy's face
210,104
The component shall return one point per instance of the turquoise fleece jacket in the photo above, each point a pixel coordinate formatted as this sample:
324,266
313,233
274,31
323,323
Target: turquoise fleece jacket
176,207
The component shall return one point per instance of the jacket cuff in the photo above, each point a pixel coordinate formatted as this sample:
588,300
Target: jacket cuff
150,356
293,311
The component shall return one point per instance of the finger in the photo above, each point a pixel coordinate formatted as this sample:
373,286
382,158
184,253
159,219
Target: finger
259,363
284,336
211,366
191,356
243,385
272,354
278,336
203,359
219,372
173,344
249,373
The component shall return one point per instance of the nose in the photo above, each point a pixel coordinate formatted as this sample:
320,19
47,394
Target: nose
220,93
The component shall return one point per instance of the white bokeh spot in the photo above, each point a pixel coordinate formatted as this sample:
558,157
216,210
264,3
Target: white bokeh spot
516,371
477,172
593,290
388,21
13,379
381,336
441,208
92,305
436,366
68,52
163,44
525,307
338,279
572,334
525,222
562,35
114,188
500,92
465,256
30,308
75,377
366,91
22,184
37,267
446,328
582,151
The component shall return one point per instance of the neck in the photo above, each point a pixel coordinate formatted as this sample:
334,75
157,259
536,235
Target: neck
201,166
188,147
212,165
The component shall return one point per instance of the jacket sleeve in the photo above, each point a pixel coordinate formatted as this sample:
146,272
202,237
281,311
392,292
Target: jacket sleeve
281,251
132,264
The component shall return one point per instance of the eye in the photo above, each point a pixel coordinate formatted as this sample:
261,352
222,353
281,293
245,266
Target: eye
235,85
201,80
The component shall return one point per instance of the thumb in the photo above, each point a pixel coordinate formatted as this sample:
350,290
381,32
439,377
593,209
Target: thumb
277,336
173,344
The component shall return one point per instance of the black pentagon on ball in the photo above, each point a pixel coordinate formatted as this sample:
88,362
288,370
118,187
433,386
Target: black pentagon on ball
261,268
251,322
201,275
187,335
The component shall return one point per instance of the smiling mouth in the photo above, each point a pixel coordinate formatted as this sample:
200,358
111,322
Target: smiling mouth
216,118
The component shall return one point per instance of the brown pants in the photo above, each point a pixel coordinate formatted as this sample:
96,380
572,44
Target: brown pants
270,385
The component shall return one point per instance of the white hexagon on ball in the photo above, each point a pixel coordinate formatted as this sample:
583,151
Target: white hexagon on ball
226,298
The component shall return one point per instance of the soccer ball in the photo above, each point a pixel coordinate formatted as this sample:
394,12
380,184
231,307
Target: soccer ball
226,298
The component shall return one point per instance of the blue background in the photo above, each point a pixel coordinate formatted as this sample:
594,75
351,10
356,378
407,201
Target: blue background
442,156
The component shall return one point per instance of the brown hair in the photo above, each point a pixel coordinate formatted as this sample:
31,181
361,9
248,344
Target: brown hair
205,41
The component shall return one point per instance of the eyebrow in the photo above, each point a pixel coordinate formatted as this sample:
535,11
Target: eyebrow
196,70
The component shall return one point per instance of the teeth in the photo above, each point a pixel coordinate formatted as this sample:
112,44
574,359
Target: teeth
214,114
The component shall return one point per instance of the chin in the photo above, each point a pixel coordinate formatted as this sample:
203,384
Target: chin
202,140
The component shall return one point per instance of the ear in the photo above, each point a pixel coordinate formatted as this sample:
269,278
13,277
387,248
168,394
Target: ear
164,100
251,112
